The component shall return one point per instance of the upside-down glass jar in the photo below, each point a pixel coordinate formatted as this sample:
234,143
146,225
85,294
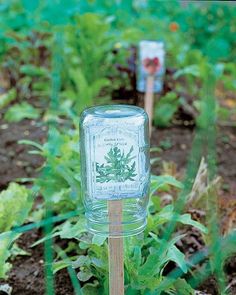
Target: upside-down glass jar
115,169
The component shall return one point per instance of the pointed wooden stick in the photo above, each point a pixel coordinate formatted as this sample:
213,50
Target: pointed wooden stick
149,100
116,252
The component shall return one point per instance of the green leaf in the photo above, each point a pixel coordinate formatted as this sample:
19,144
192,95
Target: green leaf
7,98
99,240
158,181
81,261
189,70
91,289
21,111
69,231
165,109
186,219
58,265
151,265
137,257
98,85
168,214
16,250
15,205
131,291
186,289
33,71
31,143
5,253
175,255
84,275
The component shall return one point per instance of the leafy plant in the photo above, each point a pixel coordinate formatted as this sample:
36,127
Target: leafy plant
85,77
88,53
15,205
21,111
117,167
146,255
165,109
60,180
25,66
7,98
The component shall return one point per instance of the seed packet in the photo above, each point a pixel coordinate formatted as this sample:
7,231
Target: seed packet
151,63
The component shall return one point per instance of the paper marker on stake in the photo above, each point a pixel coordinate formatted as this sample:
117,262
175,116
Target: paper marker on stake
150,73
115,172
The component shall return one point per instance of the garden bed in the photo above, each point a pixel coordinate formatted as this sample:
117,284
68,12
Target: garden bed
27,274
52,68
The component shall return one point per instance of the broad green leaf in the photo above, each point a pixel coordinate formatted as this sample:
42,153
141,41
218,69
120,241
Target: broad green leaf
84,274
58,265
175,255
33,71
15,206
99,240
189,70
97,86
151,265
81,261
69,231
21,111
186,219
97,262
16,250
7,98
16,202
173,286
131,291
91,289
168,214
158,181
4,255
165,109
186,289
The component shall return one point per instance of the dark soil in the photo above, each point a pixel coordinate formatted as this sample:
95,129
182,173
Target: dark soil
15,160
27,274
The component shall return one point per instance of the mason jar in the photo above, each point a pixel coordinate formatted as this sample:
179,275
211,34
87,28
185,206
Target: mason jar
115,169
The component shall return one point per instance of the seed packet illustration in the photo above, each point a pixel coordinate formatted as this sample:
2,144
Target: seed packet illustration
151,63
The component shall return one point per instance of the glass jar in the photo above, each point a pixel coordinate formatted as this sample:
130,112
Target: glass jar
115,168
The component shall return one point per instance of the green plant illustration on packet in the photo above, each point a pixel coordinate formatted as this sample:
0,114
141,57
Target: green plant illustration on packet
119,167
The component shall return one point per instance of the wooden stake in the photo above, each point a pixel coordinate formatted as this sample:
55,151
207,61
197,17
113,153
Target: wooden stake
116,252
148,100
